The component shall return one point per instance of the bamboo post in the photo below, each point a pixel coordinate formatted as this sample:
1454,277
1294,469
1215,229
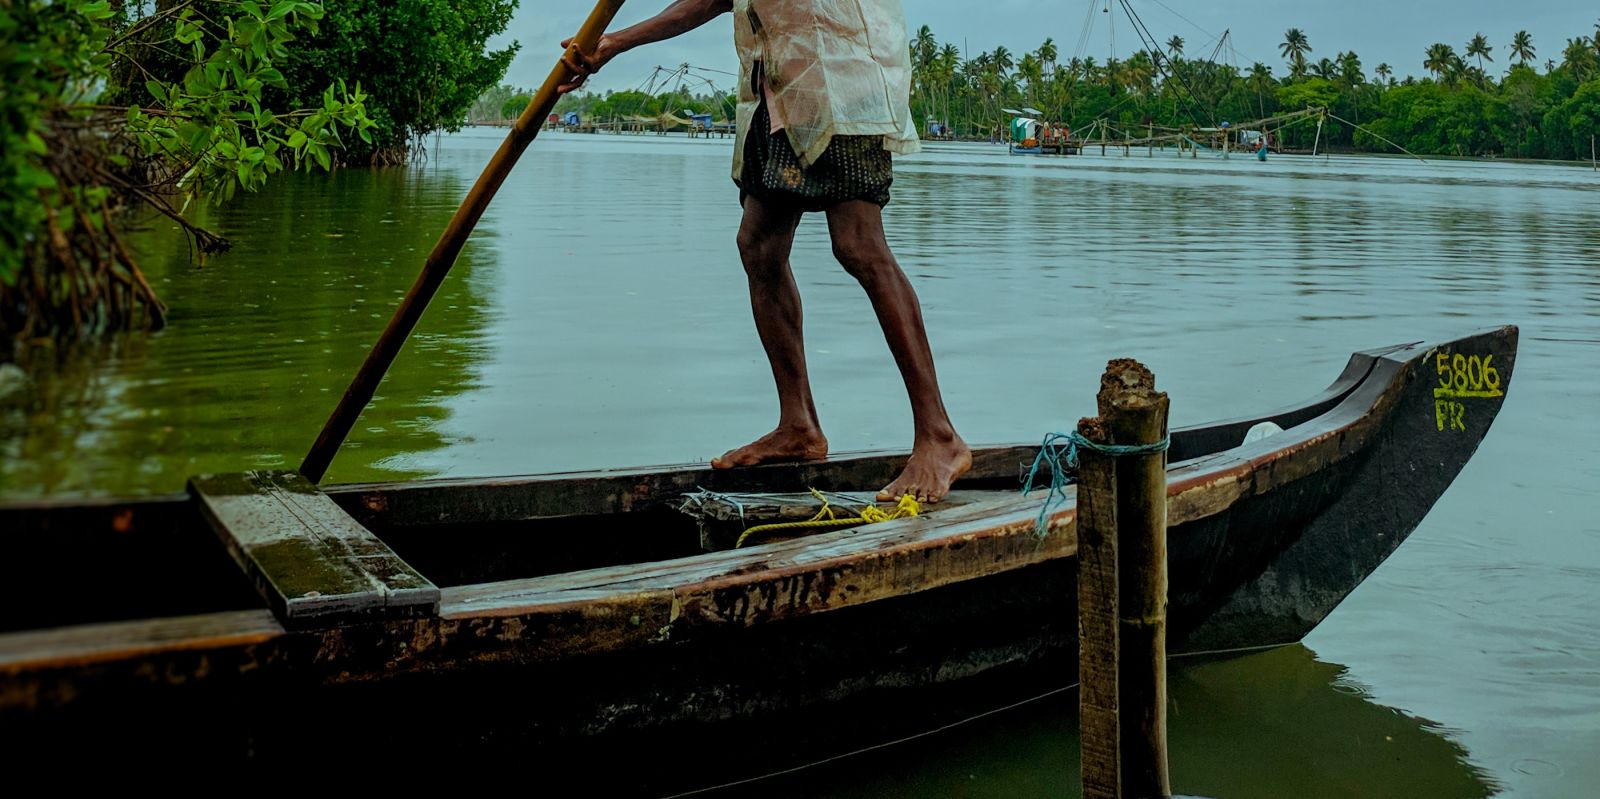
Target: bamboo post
1122,590
444,253
1592,160
1151,141
1104,133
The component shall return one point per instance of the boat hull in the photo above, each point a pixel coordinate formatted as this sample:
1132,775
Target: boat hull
1265,540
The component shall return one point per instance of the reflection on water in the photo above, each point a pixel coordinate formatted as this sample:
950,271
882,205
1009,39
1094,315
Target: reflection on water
1270,725
599,318
260,344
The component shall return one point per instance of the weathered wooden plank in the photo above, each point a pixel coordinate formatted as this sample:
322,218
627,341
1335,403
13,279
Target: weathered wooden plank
87,644
839,546
307,557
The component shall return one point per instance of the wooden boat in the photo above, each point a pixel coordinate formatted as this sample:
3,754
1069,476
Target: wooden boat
582,605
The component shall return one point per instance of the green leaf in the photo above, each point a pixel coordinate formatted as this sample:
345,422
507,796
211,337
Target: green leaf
320,153
35,143
195,137
197,82
297,138
31,177
157,89
98,10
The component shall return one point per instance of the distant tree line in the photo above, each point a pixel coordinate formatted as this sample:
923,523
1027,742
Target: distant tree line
1462,106
1468,103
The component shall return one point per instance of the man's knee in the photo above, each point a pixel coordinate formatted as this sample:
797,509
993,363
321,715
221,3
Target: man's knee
760,250
866,260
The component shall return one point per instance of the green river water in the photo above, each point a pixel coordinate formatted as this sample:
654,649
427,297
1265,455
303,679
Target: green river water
599,318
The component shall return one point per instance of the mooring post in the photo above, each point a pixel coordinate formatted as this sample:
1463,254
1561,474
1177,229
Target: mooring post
1122,588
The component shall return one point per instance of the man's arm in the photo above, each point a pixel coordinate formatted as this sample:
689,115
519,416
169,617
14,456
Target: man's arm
677,19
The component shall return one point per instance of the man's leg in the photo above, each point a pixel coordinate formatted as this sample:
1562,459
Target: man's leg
765,236
938,455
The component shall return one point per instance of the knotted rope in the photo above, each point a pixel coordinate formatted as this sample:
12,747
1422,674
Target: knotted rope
1059,453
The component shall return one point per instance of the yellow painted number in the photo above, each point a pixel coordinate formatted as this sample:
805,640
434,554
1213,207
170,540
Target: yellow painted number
1462,377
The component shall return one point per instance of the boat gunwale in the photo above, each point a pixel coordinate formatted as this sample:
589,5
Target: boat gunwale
1355,371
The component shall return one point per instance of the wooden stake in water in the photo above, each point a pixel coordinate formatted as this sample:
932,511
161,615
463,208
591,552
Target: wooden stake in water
449,246
1122,591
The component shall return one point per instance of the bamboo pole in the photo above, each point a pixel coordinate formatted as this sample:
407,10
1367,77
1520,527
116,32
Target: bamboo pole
448,248
1595,162
1122,591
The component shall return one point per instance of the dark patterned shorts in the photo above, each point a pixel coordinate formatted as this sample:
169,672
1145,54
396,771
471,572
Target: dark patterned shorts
852,168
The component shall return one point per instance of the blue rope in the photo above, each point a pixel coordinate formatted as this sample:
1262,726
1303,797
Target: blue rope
1059,452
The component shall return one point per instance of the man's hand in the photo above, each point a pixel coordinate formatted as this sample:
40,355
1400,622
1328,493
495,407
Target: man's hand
680,17
585,64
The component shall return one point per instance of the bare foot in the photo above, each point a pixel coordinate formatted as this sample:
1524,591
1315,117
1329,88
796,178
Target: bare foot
934,465
779,446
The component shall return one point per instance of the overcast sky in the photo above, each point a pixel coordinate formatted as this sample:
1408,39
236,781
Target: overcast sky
1393,31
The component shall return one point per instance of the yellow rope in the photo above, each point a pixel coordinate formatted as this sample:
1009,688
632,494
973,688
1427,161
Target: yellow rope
825,518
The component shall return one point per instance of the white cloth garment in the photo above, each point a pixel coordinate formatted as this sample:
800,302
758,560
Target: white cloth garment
834,68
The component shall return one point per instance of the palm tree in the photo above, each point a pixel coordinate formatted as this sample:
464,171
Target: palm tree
1031,70
949,58
1350,71
1352,76
1047,55
1261,81
1175,46
1002,61
924,46
1479,46
1522,47
1440,61
1326,70
1384,72
1140,72
1579,59
1294,48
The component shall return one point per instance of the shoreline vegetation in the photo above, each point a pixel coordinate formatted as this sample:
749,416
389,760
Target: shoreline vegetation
117,114
1466,105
